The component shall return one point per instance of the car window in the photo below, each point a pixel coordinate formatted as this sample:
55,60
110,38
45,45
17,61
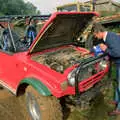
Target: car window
18,33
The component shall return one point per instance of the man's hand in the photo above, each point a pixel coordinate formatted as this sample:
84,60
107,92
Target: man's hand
85,53
103,47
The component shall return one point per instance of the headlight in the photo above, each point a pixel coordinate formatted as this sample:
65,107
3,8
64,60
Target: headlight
102,64
71,78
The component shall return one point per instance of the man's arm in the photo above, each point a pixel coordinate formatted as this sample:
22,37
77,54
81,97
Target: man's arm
114,52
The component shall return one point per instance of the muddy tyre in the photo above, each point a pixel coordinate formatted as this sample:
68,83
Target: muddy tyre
40,107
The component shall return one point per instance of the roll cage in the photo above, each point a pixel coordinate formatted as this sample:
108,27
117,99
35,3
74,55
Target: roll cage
10,22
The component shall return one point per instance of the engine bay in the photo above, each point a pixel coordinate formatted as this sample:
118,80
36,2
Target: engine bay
59,59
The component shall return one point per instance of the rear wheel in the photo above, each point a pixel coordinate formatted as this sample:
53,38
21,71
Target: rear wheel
41,107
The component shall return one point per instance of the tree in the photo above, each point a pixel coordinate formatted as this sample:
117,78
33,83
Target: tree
31,9
13,7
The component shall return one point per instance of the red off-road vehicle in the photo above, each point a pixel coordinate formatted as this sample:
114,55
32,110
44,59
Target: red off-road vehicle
52,67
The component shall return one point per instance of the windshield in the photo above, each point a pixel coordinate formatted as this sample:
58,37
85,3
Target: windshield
68,8
27,28
85,8
75,7
18,33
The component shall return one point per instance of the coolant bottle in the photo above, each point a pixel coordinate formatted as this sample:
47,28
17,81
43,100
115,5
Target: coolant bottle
97,50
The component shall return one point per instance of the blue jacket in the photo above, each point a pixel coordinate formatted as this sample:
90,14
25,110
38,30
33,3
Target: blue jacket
113,43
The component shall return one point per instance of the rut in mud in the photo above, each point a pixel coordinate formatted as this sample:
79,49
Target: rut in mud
10,109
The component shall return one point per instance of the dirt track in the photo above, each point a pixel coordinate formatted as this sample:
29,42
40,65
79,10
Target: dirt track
11,110
9,107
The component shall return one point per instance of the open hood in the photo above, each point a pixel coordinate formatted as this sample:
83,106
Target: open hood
62,28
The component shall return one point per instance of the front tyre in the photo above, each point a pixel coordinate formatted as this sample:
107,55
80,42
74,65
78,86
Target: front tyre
42,107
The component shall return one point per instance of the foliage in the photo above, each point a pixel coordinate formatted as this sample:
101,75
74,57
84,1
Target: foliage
19,7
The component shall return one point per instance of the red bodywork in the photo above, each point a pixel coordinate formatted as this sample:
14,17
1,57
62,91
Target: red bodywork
17,66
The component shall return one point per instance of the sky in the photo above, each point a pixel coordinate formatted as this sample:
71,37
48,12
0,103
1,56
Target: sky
48,6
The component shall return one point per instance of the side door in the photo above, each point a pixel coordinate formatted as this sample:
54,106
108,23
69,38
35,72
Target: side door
11,70
7,68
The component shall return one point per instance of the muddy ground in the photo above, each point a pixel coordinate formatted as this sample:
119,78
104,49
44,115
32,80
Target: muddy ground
11,110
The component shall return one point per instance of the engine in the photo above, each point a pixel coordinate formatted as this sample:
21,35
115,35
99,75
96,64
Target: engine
59,59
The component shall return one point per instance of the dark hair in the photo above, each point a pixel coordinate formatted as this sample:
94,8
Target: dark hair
97,27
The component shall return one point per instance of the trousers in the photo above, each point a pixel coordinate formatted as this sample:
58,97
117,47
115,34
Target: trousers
117,89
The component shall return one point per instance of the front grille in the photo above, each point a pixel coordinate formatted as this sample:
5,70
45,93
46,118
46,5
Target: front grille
88,69
87,72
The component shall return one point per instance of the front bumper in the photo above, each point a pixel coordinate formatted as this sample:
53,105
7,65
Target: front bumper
85,85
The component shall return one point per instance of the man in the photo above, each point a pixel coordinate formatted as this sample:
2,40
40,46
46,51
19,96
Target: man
111,46
30,32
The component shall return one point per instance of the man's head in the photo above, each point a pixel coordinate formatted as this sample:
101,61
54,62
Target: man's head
98,31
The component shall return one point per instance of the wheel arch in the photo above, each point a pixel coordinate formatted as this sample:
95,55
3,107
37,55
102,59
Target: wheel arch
36,84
